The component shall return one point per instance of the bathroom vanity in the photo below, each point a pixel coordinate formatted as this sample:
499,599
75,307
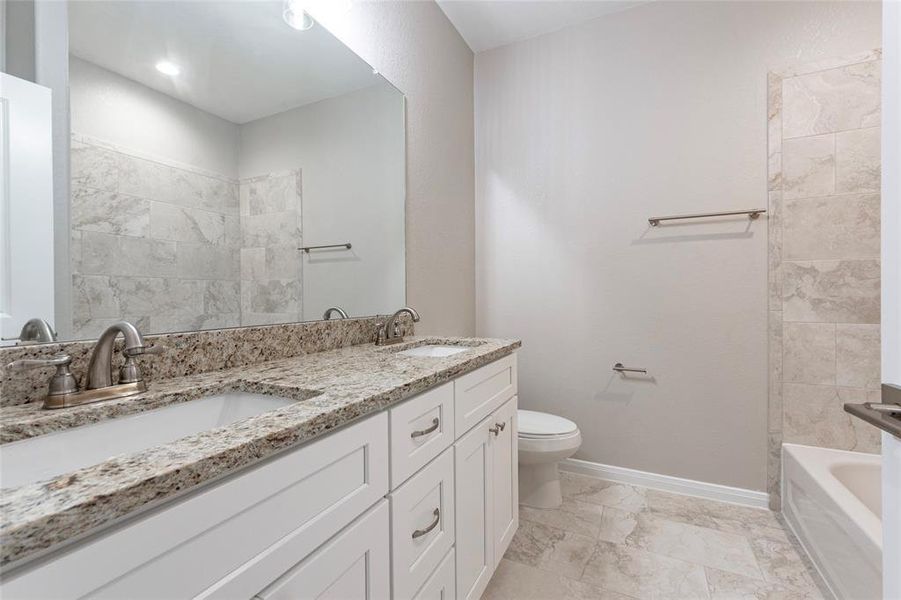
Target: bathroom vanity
387,472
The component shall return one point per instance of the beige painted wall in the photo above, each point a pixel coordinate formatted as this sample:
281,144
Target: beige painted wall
583,134
416,48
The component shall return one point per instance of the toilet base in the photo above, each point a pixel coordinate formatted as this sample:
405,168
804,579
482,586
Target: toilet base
539,485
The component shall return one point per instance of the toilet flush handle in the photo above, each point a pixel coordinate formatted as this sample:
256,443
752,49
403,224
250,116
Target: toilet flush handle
497,429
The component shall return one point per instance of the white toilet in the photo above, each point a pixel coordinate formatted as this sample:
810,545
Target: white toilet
544,440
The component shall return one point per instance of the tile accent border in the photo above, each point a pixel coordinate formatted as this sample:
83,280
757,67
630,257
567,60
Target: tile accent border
837,260
667,483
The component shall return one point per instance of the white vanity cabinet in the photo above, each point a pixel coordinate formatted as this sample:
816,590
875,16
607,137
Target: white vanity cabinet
413,502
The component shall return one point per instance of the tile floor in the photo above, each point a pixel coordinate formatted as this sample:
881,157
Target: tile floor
617,541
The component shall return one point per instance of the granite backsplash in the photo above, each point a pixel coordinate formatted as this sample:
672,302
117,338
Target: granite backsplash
194,352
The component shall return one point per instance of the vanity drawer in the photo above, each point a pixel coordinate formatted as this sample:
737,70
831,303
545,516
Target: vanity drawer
237,536
442,584
422,525
353,565
421,428
480,392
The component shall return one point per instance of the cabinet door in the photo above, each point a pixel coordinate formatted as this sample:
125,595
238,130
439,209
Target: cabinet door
505,477
473,490
353,565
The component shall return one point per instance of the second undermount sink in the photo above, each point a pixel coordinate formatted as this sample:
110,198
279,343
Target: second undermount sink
40,458
434,351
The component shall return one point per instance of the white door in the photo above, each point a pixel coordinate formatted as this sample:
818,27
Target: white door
26,205
473,489
504,465
354,565
891,289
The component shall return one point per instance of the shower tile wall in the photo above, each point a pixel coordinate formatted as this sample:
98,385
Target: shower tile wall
271,266
153,243
824,228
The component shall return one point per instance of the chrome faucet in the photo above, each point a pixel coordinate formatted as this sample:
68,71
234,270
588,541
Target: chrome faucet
342,314
63,389
390,332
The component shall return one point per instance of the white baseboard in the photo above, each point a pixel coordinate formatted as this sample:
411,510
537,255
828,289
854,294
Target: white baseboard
668,483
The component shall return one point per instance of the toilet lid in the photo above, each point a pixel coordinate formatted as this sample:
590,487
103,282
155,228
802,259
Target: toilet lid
538,424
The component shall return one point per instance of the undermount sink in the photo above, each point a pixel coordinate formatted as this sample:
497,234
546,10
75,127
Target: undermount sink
434,351
39,458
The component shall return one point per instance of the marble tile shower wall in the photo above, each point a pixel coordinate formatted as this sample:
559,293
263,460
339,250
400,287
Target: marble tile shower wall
271,265
824,182
157,244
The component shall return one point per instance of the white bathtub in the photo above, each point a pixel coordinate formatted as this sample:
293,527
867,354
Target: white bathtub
832,500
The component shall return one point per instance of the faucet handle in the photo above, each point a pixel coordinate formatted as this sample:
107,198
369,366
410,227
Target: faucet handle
130,372
57,360
62,382
142,350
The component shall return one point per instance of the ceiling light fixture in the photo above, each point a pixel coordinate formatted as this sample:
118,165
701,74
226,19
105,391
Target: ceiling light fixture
168,68
295,15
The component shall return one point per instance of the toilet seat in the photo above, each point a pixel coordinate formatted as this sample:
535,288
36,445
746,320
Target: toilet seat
538,425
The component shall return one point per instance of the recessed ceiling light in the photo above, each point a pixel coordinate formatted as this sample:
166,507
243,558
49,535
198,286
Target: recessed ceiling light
295,15
168,68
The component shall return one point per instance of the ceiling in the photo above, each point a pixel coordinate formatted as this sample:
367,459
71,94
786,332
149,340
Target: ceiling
486,24
239,60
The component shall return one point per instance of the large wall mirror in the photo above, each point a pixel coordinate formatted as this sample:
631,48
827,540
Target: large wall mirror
232,164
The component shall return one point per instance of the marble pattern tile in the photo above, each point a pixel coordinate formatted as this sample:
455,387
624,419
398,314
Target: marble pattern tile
642,574
674,550
808,353
178,224
551,548
808,167
515,581
832,228
699,545
596,491
272,296
93,167
858,355
270,229
206,261
105,254
573,516
775,236
776,374
832,100
814,415
109,212
843,291
858,160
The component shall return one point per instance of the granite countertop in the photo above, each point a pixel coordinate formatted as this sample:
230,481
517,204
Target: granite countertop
332,389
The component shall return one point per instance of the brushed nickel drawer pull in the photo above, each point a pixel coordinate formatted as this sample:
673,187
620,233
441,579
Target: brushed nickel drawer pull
427,430
421,532
619,368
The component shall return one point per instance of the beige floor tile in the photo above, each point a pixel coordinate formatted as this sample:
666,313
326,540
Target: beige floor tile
729,586
731,518
550,549
616,525
699,545
607,493
575,516
644,575
781,564
515,581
